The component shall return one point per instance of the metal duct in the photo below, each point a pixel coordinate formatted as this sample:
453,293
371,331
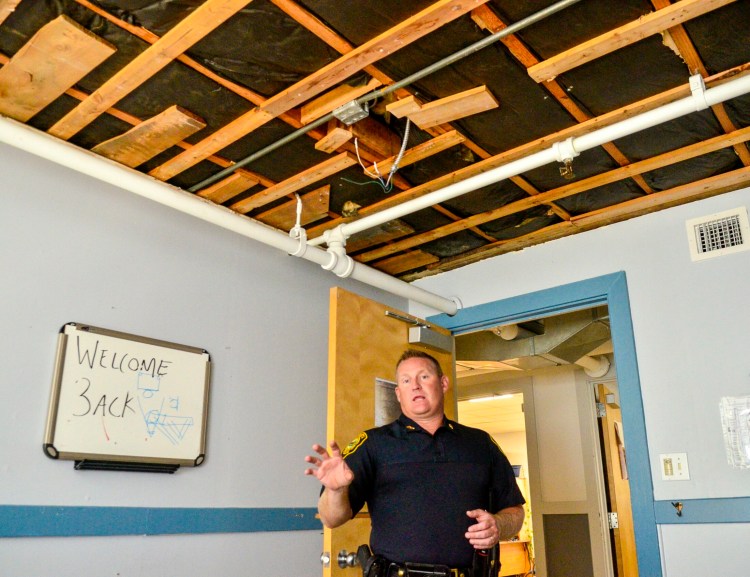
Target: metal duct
565,340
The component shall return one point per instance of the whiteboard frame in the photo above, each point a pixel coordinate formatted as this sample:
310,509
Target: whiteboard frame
109,461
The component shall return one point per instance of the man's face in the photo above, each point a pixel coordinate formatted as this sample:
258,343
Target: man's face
420,391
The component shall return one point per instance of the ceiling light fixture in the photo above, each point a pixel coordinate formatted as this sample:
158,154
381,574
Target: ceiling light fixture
490,398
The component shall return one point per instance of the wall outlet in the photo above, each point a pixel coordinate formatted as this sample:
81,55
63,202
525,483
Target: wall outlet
674,467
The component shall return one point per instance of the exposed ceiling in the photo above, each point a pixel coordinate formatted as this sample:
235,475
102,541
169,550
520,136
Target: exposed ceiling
185,89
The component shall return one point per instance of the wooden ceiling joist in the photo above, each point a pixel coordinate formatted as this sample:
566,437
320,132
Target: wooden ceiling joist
641,167
228,188
535,146
690,192
486,18
407,261
54,59
647,25
446,109
337,42
413,28
421,151
698,190
296,182
336,137
292,118
386,232
314,207
151,137
333,99
135,121
204,19
678,37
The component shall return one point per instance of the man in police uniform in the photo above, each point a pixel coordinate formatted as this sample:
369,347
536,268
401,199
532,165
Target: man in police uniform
436,490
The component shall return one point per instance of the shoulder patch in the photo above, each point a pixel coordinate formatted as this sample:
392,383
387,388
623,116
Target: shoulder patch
354,445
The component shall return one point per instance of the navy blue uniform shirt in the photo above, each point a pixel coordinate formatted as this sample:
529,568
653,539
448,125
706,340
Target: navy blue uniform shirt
418,488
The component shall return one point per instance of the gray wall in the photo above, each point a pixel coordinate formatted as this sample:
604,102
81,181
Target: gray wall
691,333
75,249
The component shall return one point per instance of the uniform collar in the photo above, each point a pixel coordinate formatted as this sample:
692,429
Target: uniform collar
409,426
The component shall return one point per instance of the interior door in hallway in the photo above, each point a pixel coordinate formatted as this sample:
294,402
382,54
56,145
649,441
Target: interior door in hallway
366,338
618,486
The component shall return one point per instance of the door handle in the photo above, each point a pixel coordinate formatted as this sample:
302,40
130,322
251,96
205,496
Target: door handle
346,559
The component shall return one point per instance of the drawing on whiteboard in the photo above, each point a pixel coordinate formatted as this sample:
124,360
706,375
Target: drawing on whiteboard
148,385
173,427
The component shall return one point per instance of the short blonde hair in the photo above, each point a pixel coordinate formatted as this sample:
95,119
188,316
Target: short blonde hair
415,354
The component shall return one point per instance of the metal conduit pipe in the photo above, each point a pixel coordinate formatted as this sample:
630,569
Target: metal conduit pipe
379,93
566,150
66,154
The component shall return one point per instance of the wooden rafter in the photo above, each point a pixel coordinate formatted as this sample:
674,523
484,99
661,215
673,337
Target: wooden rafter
340,44
659,161
534,146
647,25
314,207
446,109
411,29
697,190
296,182
421,151
406,261
228,188
678,36
151,137
204,19
486,18
134,121
54,59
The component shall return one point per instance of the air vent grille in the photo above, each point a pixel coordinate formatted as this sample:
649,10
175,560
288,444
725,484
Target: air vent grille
718,234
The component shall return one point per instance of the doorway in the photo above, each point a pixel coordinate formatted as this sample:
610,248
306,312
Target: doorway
532,386
610,291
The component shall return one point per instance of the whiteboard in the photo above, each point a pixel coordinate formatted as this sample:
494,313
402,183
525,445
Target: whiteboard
118,397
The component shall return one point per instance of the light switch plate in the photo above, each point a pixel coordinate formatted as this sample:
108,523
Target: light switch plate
674,467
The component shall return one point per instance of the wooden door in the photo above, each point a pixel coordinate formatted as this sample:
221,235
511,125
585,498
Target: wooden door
365,340
618,485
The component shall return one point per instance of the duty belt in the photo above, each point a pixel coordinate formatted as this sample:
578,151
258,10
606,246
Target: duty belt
426,570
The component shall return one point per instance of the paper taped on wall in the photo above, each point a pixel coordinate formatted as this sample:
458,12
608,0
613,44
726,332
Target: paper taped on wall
735,421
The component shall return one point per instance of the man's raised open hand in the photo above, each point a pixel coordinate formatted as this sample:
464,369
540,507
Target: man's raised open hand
330,469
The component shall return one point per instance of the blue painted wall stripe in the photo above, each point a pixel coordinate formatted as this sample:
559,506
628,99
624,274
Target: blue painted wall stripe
45,521
735,510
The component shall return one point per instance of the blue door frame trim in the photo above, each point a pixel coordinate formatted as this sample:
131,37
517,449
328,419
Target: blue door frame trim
610,290
44,521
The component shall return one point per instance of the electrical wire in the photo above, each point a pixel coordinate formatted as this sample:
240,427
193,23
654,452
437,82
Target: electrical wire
386,184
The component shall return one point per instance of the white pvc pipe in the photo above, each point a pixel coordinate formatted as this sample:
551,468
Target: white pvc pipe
700,100
62,152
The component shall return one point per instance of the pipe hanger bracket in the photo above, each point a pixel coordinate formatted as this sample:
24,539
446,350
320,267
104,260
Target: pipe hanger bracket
698,91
